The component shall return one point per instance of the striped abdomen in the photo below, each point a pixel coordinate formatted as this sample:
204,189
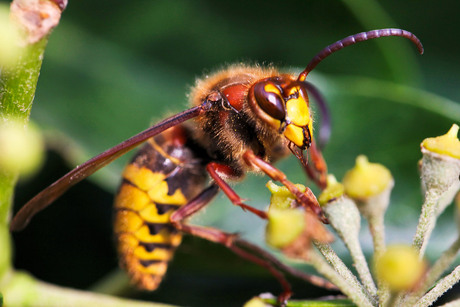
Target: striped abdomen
163,176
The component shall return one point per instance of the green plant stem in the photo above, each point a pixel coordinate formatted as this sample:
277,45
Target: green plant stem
17,90
447,198
361,266
23,290
377,229
338,265
7,182
425,227
374,214
441,287
426,222
18,85
353,291
443,263
345,219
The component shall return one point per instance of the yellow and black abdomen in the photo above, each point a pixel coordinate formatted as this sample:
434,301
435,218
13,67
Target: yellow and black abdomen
164,175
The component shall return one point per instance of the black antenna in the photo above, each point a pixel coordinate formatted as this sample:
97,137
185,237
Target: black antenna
356,38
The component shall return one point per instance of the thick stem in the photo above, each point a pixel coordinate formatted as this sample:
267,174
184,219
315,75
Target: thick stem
7,182
23,290
17,90
17,85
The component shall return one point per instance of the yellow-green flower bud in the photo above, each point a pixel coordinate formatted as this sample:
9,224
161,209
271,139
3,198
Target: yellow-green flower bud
440,168
10,49
366,179
21,148
289,228
447,144
400,267
284,226
281,198
333,191
255,302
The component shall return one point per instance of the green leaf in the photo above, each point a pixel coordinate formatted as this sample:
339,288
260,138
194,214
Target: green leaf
403,64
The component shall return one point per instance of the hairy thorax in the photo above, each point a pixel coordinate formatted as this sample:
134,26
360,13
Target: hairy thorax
230,128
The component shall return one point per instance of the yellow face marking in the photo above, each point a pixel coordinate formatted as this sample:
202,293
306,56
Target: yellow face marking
293,90
127,221
298,112
154,269
132,198
294,134
270,88
150,214
156,254
142,177
159,194
297,109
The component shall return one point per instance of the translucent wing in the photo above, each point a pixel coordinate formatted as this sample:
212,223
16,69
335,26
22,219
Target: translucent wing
54,191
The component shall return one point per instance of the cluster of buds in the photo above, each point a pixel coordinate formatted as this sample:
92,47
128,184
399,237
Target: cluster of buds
401,275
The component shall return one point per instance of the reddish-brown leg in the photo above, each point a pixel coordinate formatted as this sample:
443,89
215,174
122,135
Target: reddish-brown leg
317,169
214,169
306,199
229,240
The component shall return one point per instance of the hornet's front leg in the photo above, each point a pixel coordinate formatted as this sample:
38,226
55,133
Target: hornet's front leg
214,169
306,199
317,170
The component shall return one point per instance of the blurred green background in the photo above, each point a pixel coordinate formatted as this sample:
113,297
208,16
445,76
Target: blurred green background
112,68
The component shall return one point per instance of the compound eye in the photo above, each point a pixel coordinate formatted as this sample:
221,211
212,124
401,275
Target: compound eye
270,100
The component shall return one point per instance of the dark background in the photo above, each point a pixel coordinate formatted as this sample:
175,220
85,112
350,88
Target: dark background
114,67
